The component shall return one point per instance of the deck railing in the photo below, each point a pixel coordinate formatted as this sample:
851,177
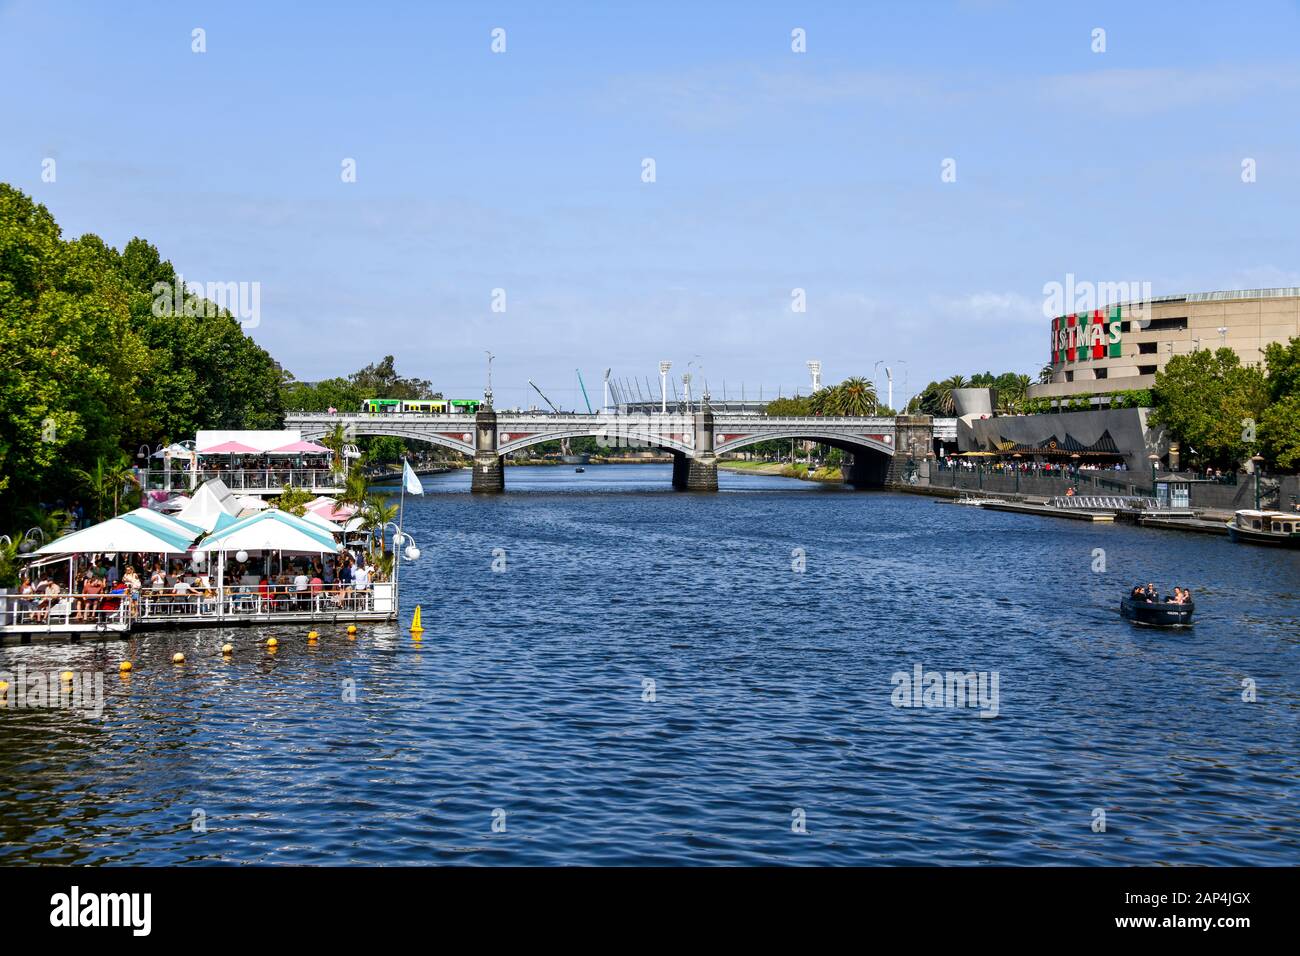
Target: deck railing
245,600
91,610
246,479
94,611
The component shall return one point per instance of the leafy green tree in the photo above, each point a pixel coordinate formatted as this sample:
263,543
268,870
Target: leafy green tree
90,370
1203,398
1279,425
294,500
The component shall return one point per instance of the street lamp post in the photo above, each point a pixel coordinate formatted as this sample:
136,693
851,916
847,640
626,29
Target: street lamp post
1256,460
1154,459
663,386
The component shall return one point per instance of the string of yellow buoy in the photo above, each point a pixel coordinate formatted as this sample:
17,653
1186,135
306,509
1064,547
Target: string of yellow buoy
227,650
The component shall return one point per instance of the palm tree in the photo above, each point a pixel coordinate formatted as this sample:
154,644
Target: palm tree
855,397
1012,389
822,401
1045,375
947,403
107,479
377,512
354,488
335,441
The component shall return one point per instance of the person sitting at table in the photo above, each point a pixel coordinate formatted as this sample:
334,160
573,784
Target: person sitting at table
49,601
264,593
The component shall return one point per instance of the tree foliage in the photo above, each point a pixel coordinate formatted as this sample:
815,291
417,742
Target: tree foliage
1279,425
1207,400
91,371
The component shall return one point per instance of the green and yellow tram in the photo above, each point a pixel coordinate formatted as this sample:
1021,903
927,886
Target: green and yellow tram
420,406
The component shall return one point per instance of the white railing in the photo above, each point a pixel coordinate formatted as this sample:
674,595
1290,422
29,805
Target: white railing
246,479
252,600
91,610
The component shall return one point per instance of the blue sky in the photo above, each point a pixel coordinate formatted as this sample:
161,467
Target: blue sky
774,171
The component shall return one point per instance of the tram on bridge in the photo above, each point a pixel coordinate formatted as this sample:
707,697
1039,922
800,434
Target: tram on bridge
420,406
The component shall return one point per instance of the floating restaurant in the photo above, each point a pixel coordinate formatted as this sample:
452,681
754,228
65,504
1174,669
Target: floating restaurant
211,558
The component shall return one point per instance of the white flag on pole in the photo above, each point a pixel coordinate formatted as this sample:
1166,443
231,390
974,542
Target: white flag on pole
410,479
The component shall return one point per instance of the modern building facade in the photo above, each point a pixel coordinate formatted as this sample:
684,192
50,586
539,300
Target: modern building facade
1122,347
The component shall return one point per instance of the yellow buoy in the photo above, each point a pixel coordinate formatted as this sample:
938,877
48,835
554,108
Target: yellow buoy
312,635
4,686
124,666
66,677
352,628
227,649
178,658
271,642
416,627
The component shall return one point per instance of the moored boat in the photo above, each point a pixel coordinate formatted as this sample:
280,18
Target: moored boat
1277,528
1156,614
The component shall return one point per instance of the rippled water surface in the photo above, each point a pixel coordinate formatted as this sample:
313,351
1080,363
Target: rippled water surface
771,695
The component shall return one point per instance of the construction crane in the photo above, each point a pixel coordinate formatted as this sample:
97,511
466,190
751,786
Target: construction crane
544,398
565,449
582,386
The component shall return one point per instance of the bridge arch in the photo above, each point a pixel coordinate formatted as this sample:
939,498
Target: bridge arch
410,432
883,446
650,439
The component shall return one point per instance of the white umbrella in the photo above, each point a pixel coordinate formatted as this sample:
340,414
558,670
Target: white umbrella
130,532
251,503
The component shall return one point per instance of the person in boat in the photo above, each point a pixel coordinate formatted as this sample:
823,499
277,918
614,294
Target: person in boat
1138,593
1153,595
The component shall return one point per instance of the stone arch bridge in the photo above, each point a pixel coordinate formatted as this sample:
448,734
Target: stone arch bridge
880,448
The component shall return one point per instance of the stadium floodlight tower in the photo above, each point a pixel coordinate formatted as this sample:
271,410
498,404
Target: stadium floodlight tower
663,387
815,367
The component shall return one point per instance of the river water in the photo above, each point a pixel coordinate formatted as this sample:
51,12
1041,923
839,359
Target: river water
646,678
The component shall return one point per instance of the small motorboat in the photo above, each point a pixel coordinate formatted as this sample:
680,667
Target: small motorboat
1156,614
579,470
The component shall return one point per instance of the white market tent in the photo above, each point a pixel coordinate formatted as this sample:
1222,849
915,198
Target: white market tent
208,502
168,521
271,530
129,532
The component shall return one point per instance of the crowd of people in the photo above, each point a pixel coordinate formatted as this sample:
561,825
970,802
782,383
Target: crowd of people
1149,595
147,584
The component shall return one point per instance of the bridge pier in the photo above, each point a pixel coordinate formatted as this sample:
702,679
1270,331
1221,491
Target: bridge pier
488,476
694,474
